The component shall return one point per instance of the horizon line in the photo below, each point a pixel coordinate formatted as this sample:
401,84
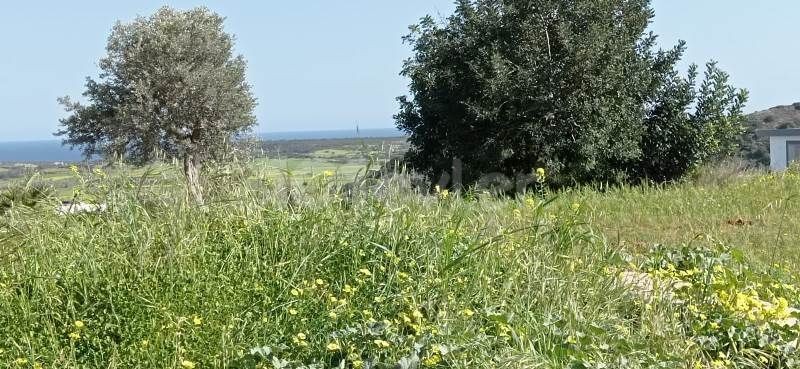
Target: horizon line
260,133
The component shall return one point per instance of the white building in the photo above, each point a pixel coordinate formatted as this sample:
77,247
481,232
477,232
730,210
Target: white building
784,146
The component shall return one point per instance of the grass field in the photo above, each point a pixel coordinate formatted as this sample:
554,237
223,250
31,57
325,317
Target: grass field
281,270
758,214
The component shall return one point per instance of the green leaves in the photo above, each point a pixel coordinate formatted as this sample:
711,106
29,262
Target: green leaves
719,114
575,87
170,86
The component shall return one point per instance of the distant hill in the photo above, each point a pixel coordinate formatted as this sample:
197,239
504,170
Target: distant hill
756,149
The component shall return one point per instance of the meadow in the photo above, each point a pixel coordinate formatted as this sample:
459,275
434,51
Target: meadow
283,269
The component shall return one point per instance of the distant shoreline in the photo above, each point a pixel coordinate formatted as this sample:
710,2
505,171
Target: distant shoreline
331,134
50,151
284,135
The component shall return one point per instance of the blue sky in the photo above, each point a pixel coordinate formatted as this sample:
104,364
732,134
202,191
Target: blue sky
321,64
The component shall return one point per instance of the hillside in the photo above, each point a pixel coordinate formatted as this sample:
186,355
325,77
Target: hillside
756,149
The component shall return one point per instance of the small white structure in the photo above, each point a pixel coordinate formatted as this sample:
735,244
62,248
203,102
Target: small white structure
784,146
69,207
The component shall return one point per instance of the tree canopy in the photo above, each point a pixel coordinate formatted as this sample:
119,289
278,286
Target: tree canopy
577,87
169,85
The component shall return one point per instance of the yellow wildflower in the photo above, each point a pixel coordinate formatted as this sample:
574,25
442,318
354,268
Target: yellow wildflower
718,364
292,312
540,174
365,272
79,324
381,343
333,346
300,340
74,336
186,364
433,360
197,320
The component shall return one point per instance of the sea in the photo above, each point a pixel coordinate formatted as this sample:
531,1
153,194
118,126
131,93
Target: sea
53,151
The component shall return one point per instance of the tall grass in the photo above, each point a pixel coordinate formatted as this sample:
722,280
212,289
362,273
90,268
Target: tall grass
756,212
276,274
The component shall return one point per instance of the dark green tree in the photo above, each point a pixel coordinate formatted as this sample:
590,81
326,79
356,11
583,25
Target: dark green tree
169,85
577,87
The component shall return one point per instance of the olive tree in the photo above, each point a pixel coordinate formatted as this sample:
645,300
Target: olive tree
169,85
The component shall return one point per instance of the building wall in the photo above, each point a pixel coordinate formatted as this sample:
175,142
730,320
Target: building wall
777,151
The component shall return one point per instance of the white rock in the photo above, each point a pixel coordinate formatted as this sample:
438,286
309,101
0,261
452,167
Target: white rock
640,283
68,207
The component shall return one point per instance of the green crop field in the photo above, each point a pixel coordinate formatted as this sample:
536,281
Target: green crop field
281,270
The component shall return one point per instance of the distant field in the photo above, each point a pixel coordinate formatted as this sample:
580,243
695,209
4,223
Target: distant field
299,159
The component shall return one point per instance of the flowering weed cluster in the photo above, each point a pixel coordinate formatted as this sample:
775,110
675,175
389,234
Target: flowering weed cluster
735,313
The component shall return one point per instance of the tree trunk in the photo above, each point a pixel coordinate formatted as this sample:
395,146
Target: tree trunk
191,168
